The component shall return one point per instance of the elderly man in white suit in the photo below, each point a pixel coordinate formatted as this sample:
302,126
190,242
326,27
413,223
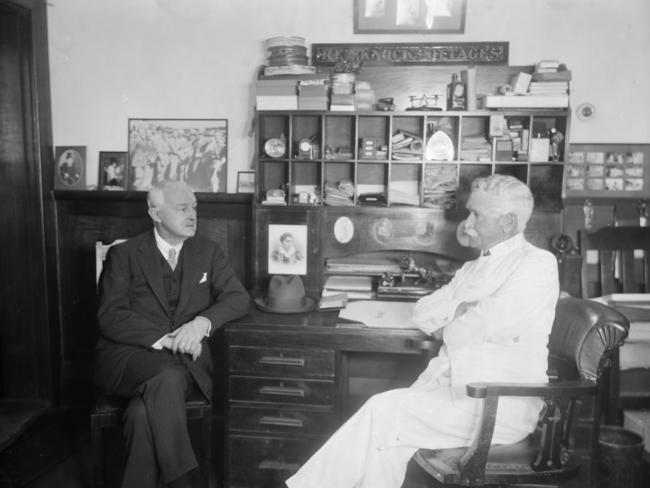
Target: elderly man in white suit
494,318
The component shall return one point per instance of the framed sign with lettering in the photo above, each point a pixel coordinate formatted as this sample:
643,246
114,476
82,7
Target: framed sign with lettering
412,54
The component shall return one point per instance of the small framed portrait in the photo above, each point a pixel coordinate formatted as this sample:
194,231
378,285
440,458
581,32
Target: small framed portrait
70,167
287,253
191,150
112,171
246,182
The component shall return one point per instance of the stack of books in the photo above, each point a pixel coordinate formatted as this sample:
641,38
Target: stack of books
520,136
475,148
361,264
287,56
551,71
354,287
276,93
548,88
406,146
339,194
275,197
312,94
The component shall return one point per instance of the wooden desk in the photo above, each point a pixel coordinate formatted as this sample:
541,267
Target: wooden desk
292,379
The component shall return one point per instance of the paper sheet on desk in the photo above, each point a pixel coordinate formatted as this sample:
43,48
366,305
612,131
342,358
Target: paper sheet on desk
381,314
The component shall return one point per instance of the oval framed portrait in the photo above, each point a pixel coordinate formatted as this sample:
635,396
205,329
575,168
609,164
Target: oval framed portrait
70,170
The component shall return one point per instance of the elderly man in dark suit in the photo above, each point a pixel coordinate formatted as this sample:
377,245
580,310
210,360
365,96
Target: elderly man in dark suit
163,293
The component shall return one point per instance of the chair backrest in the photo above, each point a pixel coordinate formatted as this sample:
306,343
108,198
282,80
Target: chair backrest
584,335
615,260
101,250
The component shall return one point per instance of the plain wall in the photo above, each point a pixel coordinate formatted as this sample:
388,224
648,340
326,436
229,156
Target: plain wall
112,60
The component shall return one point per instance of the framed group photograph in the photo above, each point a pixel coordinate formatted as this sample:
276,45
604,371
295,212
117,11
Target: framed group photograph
191,150
70,167
112,171
246,182
409,16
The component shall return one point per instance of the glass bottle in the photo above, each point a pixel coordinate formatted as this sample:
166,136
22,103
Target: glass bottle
456,96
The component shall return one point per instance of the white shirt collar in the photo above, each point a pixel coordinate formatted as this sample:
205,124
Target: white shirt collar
164,246
507,246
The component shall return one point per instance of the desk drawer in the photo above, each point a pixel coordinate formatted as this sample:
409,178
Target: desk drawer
280,420
267,462
281,361
275,390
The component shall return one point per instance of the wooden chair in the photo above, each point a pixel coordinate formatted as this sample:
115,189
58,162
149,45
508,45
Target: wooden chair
584,336
616,260
107,412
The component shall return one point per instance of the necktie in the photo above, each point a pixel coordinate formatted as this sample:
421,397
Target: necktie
485,252
172,258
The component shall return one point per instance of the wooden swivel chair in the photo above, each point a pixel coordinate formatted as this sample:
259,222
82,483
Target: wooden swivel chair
107,412
616,260
584,336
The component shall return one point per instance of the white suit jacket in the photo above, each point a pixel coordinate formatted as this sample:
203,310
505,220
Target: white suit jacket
504,336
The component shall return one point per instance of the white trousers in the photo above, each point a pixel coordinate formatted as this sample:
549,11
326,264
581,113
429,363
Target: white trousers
373,448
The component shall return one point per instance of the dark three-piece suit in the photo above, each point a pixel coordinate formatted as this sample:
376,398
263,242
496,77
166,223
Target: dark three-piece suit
142,299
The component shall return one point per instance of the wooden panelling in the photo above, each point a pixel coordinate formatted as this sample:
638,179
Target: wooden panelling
26,355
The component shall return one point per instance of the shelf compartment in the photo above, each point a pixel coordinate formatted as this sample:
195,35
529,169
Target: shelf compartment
475,143
440,184
407,138
404,187
339,137
272,126
518,170
542,126
373,137
306,127
372,181
274,174
446,124
305,181
466,174
545,182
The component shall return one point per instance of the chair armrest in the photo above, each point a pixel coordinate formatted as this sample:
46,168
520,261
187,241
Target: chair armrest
472,464
544,390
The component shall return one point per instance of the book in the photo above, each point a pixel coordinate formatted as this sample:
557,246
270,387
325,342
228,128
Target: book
526,101
550,63
520,83
347,282
277,102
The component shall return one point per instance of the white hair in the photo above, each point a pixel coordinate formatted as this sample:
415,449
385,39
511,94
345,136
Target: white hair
514,196
156,194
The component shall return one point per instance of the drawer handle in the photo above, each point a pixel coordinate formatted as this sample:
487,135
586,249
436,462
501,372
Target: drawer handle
279,465
300,362
281,421
282,391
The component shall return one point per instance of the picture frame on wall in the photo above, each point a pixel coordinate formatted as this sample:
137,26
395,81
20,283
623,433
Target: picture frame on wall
246,182
113,171
409,16
70,167
191,150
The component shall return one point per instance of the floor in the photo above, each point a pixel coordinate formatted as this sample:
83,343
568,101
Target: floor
74,472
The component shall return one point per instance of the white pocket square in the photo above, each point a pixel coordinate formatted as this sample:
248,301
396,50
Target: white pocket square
204,278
